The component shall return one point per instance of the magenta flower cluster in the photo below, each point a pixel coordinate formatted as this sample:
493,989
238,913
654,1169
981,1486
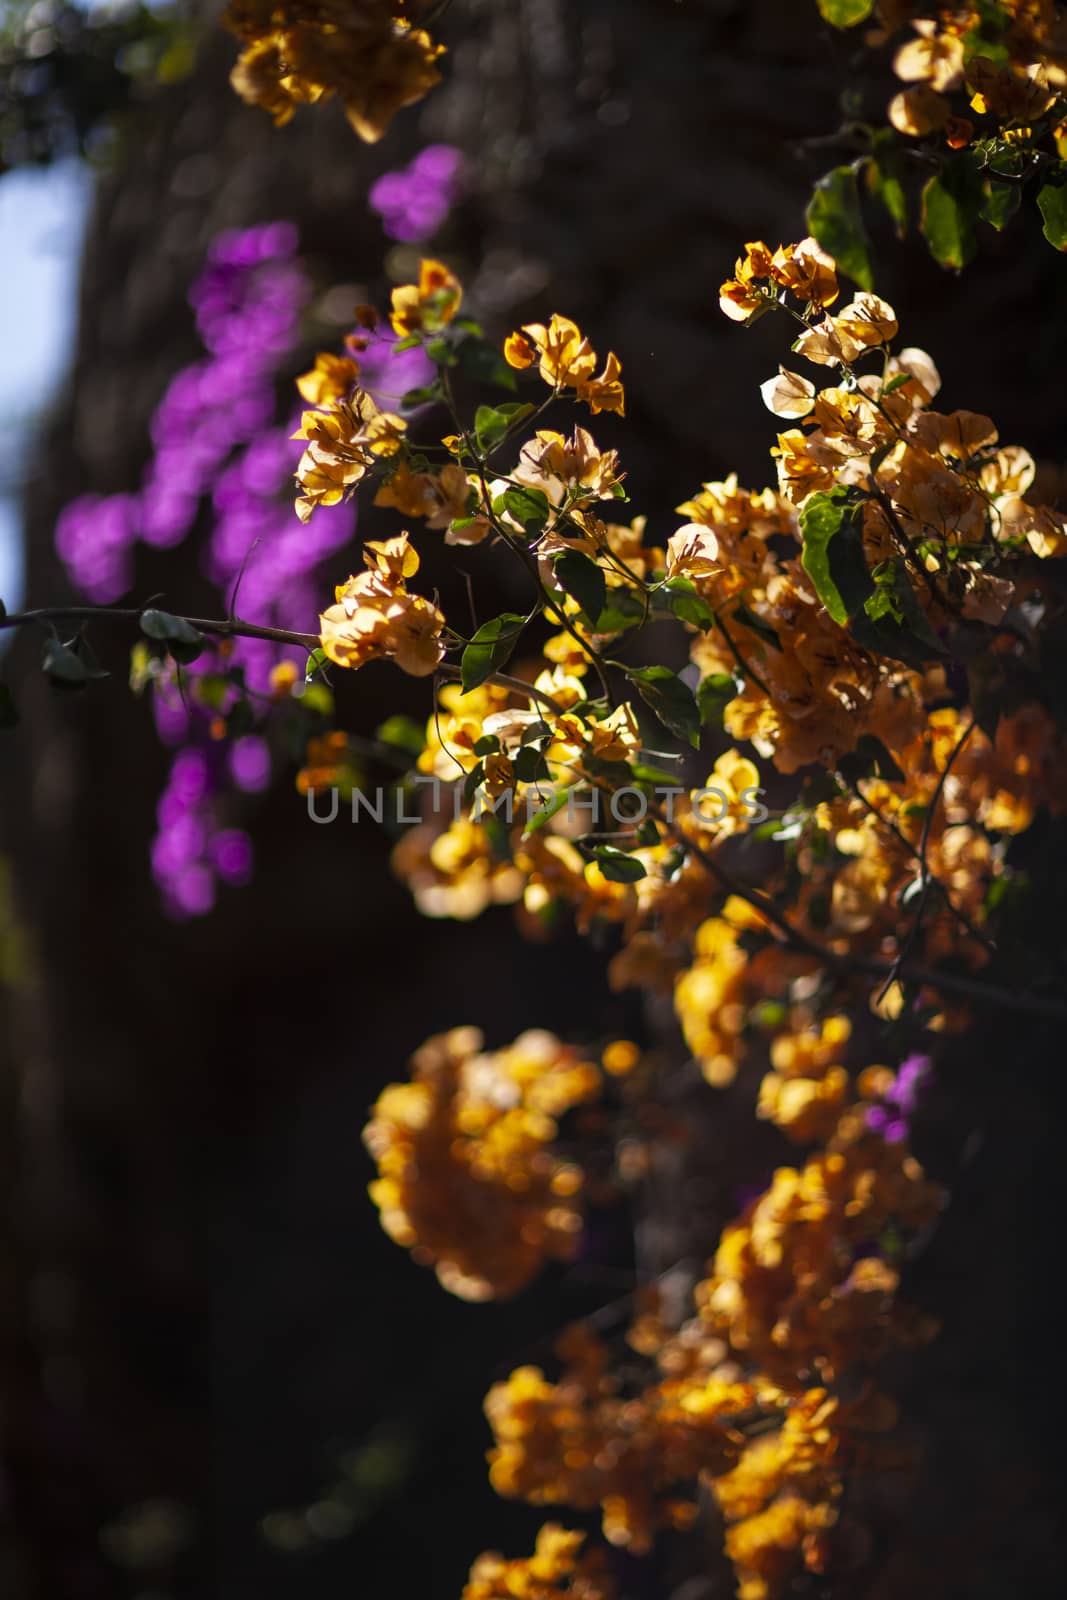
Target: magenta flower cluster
414,201
222,458
248,302
901,1100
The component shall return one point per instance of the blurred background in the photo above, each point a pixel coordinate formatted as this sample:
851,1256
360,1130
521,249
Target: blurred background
218,1375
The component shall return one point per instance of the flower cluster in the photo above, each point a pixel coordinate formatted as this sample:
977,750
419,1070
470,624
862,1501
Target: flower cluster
375,616
557,1570
414,202
468,1179
829,621
368,53
984,91
191,853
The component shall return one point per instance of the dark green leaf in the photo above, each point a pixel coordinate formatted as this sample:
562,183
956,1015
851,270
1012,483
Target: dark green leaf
845,13
63,665
441,353
424,395
480,360
951,205
644,772
529,507
870,759
835,219
240,719
403,734
617,866
490,648
714,694
182,640
1052,203
623,610
496,831
530,765
1001,202
885,172
583,580
748,619
487,745
472,782
673,703
687,605
490,426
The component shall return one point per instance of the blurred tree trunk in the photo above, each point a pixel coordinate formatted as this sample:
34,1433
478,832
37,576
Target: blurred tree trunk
205,1310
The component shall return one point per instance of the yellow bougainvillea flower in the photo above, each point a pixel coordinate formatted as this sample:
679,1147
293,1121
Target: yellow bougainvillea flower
806,271
605,392
342,444
693,552
441,497
918,111
329,380
429,305
1009,96
376,617
788,395
934,58
566,360
365,52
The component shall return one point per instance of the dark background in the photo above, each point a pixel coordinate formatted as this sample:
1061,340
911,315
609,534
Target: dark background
207,1326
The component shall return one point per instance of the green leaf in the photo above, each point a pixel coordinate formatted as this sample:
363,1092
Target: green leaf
529,507
495,830
835,219
820,521
315,665
1001,202
182,640
623,610
673,703
8,710
65,668
402,734
211,690
748,619
885,172
240,719
546,812
845,13
1052,203
951,205
317,699
422,396
870,759
490,648
530,766
714,694
478,359
583,580
490,425
617,866
441,353
644,772
687,605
